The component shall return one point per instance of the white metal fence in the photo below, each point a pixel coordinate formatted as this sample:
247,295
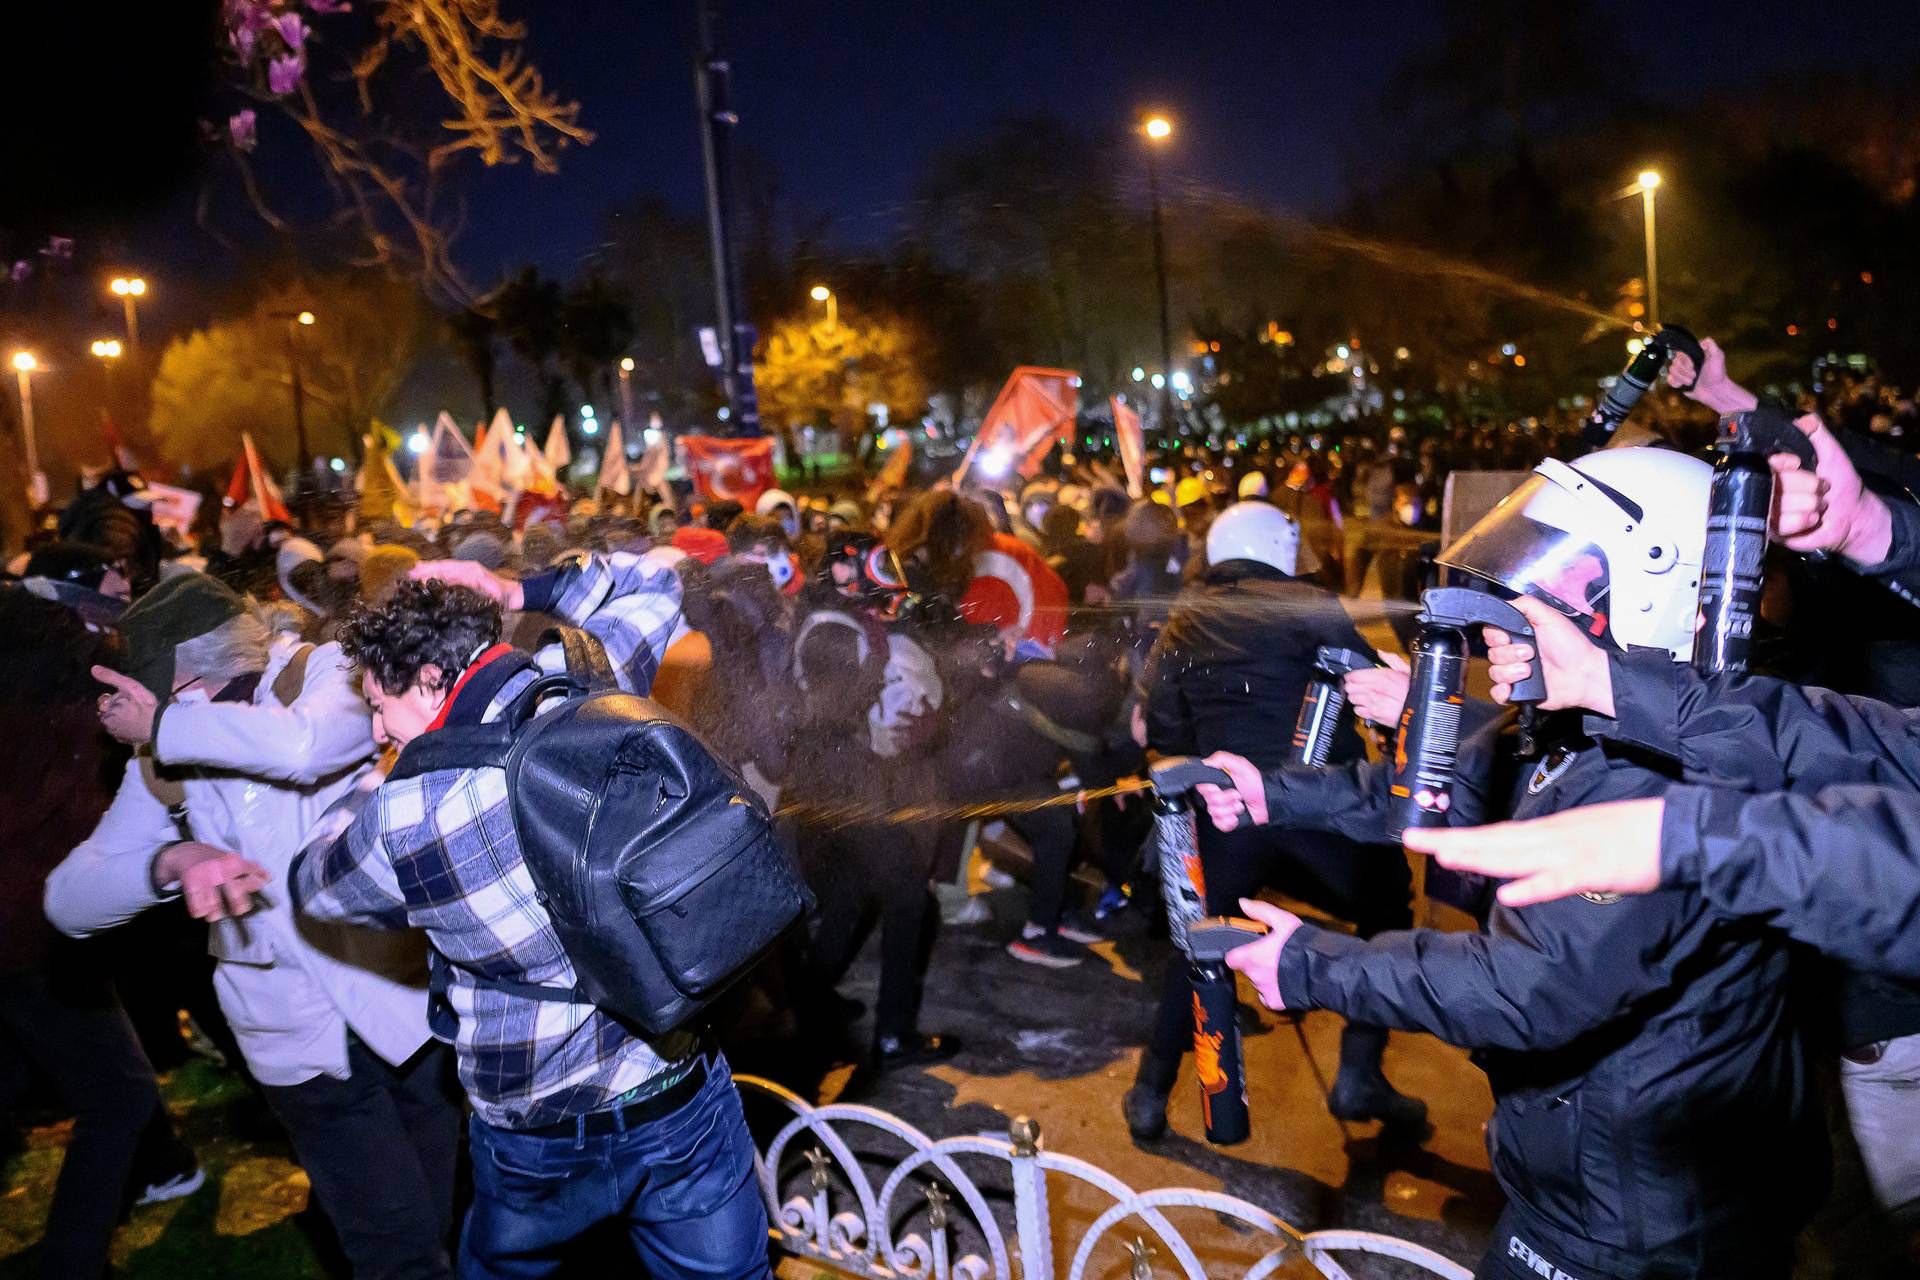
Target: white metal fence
929,1219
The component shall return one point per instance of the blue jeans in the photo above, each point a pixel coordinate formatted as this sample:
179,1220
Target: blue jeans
683,1184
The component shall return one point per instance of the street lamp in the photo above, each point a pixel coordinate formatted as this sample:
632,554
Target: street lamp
1649,182
107,348
128,288
1158,129
820,293
626,391
296,321
23,366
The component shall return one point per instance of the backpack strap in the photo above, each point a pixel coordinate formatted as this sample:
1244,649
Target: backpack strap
586,658
438,980
293,677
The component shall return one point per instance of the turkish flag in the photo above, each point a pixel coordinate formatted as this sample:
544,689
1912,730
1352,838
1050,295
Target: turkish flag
730,470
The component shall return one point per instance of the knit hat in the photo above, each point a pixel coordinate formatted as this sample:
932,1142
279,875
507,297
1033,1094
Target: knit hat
383,570
704,545
179,609
482,548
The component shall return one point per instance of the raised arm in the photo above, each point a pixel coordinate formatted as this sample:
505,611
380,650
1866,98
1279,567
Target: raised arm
327,729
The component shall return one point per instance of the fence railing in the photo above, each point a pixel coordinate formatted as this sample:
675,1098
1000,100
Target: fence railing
930,1219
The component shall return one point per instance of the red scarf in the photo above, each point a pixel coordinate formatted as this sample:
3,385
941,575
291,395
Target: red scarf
473,668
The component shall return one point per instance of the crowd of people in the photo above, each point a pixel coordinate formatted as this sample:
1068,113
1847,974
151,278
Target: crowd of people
220,723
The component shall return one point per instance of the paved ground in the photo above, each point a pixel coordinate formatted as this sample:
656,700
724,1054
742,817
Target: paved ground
1060,1046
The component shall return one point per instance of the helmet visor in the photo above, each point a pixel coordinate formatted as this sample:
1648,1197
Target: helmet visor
1524,545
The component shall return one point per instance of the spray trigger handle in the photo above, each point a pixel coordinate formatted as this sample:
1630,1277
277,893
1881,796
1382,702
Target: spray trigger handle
1767,428
1209,940
1465,607
1676,339
1177,775
1340,662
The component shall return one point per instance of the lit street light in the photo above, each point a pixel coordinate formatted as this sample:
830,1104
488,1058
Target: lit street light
1648,183
1158,129
128,288
820,293
296,321
626,391
23,366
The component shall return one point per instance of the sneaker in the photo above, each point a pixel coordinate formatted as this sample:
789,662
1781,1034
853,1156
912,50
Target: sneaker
970,910
1049,950
1075,929
1113,900
996,878
174,1188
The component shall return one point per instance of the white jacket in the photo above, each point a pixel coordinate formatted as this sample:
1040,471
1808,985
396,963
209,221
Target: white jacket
258,776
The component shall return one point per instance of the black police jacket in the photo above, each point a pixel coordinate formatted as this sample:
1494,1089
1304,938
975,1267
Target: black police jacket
1230,669
1651,1109
1806,812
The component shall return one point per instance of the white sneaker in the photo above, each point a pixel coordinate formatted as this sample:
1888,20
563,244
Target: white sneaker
973,910
174,1188
996,878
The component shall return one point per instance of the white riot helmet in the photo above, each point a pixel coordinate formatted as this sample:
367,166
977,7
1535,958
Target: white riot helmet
1613,539
1255,531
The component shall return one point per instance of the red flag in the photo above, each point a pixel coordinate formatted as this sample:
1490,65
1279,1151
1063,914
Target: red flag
252,486
116,446
1036,408
1132,440
730,470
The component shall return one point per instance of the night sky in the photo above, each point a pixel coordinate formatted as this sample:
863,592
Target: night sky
845,101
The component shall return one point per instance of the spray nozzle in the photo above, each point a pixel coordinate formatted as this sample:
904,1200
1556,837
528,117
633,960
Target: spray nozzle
1636,378
1177,775
1340,662
1767,428
1465,607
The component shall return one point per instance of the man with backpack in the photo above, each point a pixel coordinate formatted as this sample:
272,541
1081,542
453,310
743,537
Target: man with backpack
578,1117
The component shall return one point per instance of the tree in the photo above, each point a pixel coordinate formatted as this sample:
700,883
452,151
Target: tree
236,374
473,333
531,312
385,147
806,369
596,329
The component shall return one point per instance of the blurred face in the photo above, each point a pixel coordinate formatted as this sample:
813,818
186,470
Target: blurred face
399,718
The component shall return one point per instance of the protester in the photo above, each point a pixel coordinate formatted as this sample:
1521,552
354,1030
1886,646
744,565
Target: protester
58,1010
264,736
576,1119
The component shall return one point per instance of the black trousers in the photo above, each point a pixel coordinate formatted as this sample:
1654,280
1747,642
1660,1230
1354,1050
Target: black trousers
70,1028
862,876
1369,885
379,1148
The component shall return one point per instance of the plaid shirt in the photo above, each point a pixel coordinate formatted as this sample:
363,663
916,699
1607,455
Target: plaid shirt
438,852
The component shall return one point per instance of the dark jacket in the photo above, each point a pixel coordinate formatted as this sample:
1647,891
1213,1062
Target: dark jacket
1651,1114
1805,814
1230,669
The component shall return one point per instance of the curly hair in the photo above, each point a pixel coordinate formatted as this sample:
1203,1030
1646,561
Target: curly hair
424,623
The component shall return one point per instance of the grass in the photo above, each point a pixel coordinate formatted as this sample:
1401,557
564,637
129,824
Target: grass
242,1225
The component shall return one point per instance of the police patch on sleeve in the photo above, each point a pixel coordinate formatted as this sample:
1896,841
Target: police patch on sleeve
1548,771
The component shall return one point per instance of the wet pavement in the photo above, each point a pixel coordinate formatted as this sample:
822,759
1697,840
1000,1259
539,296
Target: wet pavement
1060,1046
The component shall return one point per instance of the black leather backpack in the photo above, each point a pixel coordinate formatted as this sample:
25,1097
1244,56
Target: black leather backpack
655,860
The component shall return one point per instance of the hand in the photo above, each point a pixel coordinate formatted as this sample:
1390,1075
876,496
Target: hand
1601,848
216,884
1575,668
1711,387
1378,694
1248,794
1828,509
127,712
1260,959
464,573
